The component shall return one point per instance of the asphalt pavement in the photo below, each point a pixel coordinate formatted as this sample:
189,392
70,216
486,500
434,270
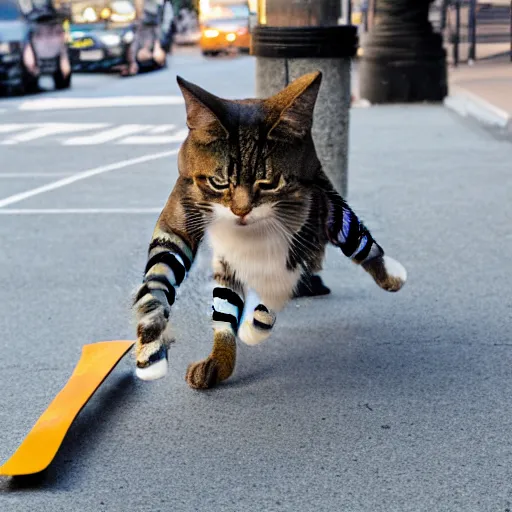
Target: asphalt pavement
360,401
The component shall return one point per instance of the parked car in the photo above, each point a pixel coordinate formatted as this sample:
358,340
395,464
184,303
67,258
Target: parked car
32,45
224,26
101,34
106,35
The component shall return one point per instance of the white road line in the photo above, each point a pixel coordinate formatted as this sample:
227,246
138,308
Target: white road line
114,101
155,139
40,131
106,135
64,211
16,198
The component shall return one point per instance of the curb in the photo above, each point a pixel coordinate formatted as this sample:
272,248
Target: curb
467,104
356,102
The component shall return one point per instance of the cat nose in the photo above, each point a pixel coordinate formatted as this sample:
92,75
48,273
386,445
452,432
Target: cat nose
241,211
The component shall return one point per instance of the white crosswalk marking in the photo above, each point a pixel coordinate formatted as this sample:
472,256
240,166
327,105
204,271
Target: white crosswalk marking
92,134
9,128
155,139
43,130
106,135
162,129
107,102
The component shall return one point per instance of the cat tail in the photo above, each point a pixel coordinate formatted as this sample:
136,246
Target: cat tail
346,231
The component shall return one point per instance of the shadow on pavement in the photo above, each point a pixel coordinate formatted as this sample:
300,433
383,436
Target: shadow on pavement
404,358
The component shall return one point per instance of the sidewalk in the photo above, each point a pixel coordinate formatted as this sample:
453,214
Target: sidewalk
483,91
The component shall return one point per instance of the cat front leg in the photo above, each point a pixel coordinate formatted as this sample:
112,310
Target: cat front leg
347,232
227,309
170,256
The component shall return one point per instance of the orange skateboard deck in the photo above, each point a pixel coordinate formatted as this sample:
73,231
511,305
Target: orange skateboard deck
40,446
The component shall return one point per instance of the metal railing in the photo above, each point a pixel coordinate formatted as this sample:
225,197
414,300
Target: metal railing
475,30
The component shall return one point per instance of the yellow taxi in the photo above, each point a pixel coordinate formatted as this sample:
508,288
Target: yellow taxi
224,26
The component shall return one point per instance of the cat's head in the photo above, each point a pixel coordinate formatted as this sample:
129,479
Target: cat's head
251,160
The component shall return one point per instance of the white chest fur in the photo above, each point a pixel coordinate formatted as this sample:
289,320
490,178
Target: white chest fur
257,253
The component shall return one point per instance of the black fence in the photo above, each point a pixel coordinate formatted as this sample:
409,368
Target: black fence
478,30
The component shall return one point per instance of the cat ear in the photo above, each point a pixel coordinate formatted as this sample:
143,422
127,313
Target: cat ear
295,105
205,111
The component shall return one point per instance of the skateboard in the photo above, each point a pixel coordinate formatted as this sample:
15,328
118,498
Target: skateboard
38,449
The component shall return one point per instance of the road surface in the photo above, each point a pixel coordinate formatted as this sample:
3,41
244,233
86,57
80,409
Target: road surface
361,401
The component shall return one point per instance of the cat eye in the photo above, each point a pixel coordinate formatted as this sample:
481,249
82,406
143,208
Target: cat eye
271,185
217,185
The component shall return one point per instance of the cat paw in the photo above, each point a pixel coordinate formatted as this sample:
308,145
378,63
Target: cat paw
203,374
257,328
155,367
387,272
396,275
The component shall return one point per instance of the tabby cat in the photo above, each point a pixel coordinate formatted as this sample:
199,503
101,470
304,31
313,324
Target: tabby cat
251,183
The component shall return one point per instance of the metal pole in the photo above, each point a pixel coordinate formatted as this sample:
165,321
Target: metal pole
347,11
457,34
444,8
472,30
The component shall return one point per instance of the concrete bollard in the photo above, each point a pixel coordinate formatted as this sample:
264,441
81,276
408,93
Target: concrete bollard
295,38
284,52
403,60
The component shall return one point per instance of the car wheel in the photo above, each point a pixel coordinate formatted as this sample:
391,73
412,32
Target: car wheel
61,81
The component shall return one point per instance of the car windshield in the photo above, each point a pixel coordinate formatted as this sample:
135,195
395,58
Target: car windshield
9,10
227,11
97,11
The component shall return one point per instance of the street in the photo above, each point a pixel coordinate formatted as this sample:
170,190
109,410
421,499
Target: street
360,400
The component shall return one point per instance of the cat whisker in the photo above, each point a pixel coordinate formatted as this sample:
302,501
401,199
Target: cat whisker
281,231
296,238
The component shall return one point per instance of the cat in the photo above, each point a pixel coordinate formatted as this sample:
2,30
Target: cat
251,183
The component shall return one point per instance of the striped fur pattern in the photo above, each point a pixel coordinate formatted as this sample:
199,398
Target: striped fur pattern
251,186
